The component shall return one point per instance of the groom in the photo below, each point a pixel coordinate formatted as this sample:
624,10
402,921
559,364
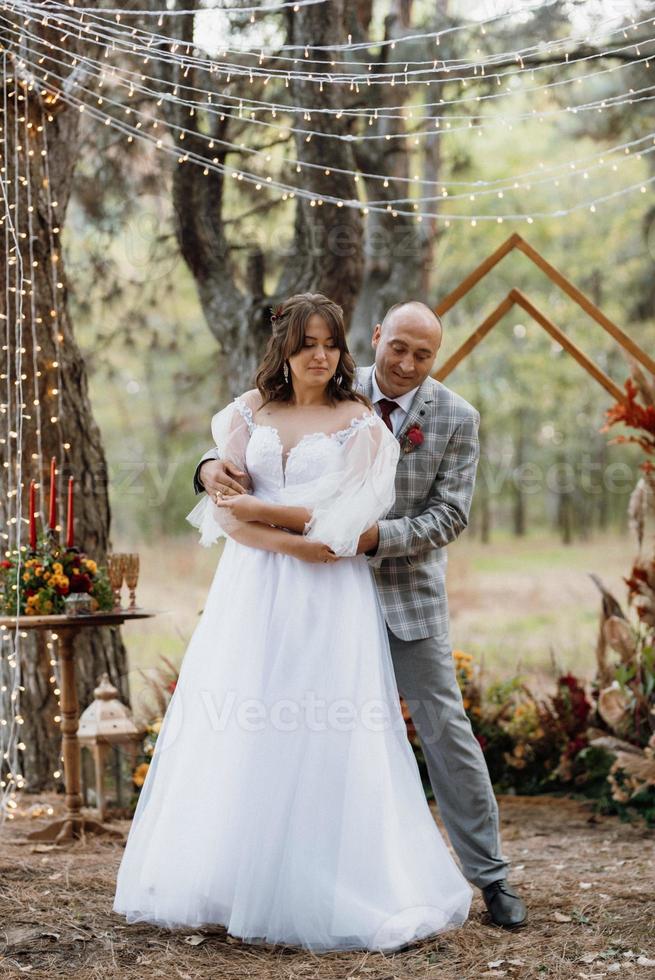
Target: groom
438,433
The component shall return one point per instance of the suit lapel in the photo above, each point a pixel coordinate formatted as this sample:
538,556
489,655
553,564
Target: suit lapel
426,395
365,381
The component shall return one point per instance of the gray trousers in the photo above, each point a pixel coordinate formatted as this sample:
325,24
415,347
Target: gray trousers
425,675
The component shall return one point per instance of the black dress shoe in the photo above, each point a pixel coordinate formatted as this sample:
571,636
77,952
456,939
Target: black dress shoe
505,907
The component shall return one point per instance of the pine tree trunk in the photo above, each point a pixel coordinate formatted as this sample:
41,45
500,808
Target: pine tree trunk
54,374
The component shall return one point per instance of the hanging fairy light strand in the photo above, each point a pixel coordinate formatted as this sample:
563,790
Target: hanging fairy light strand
278,7
11,778
289,191
107,33
40,130
211,98
432,36
558,173
16,410
498,187
599,105
148,42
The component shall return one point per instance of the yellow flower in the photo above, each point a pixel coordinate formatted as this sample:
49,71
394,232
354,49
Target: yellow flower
140,773
58,567
91,565
76,571
47,576
26,577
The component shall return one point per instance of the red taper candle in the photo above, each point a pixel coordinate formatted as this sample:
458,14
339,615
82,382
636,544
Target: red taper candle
32,517
52,515
69,515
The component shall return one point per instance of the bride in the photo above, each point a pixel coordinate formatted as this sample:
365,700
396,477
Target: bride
283,800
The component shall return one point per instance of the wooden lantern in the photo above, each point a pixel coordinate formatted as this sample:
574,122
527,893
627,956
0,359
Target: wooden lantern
106,726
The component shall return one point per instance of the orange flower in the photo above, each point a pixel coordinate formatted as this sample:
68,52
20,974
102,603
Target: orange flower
140,773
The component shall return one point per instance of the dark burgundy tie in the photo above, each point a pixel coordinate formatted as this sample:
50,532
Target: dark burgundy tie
386,407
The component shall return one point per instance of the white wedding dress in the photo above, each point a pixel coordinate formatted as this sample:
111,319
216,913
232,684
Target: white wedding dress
283,799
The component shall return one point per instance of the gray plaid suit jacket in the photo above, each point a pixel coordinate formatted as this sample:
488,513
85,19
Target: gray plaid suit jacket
434,488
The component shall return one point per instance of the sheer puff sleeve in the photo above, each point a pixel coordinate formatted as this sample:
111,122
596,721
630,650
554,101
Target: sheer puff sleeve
356,493
231,429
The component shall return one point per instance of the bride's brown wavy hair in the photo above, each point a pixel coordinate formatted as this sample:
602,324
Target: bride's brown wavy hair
289,322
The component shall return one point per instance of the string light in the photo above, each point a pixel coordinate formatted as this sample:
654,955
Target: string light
17,197
261,8
210,104
430,37
252,178
388,202
114,34
11,778
182,131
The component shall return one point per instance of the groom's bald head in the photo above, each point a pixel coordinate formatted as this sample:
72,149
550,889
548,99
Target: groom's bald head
415,313
406,345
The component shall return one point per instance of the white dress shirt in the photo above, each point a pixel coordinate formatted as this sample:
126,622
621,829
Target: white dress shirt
399,414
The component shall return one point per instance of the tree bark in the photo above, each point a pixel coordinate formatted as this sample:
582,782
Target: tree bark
42,141
326,254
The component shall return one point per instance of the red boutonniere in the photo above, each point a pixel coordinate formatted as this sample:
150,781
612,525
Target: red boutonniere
413,439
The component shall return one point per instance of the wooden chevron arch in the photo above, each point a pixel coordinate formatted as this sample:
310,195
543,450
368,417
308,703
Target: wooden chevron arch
516,298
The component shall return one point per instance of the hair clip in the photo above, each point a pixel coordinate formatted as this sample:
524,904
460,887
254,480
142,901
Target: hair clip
276,313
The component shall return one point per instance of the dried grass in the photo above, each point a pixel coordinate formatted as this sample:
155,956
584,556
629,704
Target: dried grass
56,918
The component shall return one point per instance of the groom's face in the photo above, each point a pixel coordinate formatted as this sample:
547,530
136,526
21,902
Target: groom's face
406,346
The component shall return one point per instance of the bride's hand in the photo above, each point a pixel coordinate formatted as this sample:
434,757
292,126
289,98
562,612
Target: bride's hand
243,506
312,551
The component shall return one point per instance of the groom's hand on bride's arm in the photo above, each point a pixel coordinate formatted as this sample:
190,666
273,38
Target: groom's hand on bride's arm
219,476
368,541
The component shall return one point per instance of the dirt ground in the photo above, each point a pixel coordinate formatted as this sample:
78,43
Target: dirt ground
588,882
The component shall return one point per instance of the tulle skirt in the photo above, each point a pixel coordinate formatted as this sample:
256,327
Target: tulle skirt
283,800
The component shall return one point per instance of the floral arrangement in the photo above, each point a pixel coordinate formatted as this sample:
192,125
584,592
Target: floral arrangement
36,583
552,744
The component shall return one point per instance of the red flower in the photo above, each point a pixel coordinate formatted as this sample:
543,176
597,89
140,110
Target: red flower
171,687
5,564
80,583
415,436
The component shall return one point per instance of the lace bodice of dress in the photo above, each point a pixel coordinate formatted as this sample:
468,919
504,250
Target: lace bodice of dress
315,455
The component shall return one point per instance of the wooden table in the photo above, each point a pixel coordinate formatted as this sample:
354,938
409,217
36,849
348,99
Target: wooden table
73,824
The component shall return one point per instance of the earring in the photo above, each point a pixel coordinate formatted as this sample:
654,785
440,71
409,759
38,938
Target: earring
338,378
285,371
